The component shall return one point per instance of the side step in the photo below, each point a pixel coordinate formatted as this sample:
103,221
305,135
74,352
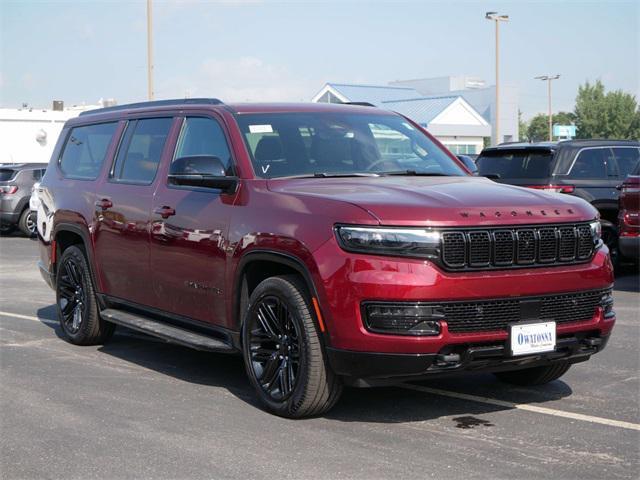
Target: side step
166,332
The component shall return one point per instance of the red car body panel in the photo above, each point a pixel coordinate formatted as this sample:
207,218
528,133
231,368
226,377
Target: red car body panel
188,263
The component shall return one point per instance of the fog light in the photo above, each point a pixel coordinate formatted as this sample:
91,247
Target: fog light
606,302
403,319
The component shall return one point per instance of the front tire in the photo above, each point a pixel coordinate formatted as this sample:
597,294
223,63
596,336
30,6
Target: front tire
283,355
534,376
76,303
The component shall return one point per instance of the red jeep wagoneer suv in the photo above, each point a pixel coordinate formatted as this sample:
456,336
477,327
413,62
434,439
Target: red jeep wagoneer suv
329,244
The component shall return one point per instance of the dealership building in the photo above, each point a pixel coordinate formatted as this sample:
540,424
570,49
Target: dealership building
458,110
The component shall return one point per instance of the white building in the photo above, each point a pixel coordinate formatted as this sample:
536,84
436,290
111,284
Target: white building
480,96
450,118
28,135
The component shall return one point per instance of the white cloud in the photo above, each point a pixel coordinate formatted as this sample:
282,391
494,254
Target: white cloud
239,80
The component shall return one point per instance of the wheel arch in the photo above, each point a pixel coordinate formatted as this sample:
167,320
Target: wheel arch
249,275
67,235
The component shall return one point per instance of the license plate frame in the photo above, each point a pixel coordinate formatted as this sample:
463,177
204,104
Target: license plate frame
537,337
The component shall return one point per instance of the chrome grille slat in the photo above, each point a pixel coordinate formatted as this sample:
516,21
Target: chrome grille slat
507,247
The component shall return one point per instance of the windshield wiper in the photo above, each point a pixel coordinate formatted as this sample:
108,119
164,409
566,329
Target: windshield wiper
415,173
330,175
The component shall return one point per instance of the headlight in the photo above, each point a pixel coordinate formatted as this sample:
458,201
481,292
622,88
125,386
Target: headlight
406,242
596,232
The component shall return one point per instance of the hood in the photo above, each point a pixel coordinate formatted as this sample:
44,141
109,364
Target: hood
443,201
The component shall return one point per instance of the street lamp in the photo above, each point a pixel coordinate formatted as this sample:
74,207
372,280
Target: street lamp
496,17
548,79
150,49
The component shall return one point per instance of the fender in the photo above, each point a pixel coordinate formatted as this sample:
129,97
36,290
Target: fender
276,257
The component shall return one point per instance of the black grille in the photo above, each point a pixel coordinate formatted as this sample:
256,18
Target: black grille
516,246
493,315
453,249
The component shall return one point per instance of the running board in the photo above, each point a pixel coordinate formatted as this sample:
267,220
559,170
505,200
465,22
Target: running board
166,332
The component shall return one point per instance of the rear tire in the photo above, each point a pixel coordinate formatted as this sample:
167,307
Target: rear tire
283,354
76,303
535,375
27,223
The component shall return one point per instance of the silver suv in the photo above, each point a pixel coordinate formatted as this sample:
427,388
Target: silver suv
16,183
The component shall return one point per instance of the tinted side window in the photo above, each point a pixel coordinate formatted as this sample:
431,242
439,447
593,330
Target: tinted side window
85,150
627,160
203,136
141,149
590,163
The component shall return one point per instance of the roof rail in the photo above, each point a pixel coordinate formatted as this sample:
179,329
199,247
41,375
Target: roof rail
156,103
361,104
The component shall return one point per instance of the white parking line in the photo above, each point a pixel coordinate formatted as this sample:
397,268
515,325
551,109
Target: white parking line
526,407
29,317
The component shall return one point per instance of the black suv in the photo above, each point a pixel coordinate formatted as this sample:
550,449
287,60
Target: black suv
589,169
16,183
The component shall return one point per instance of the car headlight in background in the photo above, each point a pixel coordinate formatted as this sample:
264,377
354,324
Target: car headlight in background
406,242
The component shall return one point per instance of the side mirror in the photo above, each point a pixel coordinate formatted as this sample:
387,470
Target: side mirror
202,171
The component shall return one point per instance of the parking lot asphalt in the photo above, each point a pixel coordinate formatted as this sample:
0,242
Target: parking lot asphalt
140,408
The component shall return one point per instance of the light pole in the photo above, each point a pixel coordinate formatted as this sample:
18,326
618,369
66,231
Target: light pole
548,79
496,17
150,50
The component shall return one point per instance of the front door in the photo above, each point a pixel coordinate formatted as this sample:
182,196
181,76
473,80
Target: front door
189,228
123,207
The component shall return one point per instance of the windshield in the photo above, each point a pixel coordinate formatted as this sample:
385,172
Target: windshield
327,144
516,163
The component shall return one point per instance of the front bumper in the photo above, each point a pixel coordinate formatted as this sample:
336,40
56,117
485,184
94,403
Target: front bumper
344,281
364,369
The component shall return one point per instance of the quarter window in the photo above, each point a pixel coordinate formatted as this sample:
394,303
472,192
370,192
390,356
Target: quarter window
203,136
85,150
627,160
141,150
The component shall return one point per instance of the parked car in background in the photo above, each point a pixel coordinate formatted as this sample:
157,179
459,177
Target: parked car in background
629,216
469,163
16,184
328,244
589,169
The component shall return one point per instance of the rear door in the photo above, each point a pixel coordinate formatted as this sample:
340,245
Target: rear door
189,230
594,176
123,209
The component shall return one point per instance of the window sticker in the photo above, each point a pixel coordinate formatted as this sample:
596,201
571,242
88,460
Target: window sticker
260,129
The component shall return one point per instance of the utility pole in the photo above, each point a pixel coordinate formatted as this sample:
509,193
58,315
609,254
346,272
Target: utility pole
497,18
548,79
150,49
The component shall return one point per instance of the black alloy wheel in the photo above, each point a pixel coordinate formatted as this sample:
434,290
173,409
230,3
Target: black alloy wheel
72,299
275,348
283,350
76,302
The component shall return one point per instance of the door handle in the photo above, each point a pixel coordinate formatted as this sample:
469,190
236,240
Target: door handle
104,204
164,212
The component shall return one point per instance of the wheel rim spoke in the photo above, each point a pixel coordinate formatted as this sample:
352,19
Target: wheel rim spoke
71,295
274,347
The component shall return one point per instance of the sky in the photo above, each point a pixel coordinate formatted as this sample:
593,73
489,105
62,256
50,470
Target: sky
252,50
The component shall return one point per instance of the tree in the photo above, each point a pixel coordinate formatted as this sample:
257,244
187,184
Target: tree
606,115
538,129
522,127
